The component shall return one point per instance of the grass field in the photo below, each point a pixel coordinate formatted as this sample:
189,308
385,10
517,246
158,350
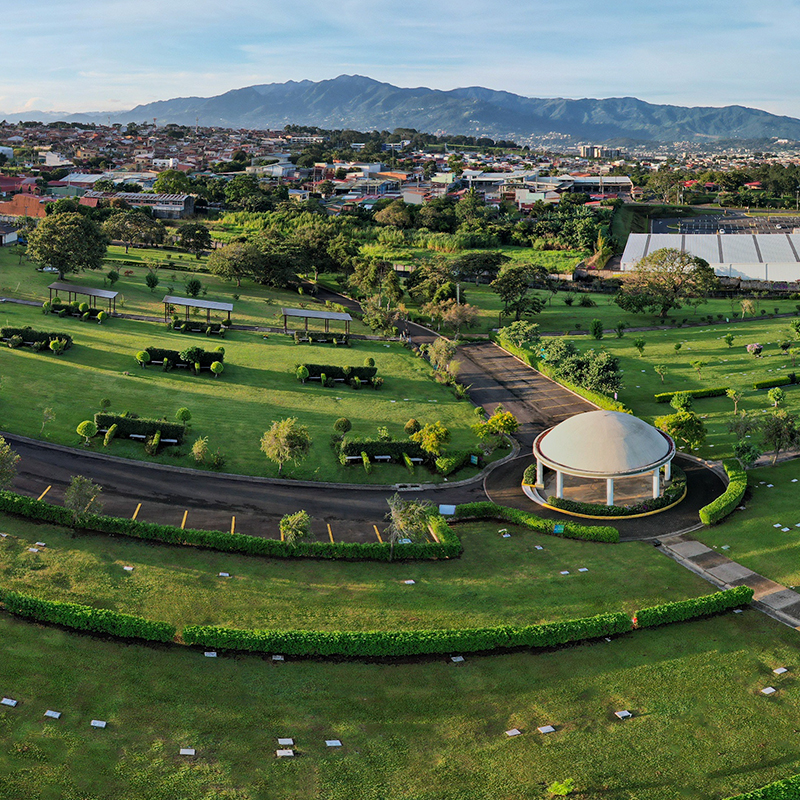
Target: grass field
496,581
412,731
751,536
257,387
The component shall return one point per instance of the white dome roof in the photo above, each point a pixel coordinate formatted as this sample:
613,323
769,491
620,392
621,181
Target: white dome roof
604,444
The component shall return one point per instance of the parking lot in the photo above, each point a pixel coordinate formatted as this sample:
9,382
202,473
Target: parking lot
728,224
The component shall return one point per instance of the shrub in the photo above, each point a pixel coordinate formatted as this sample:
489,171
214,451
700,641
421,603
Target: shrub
369,361
714,391
197,355
446,465
183,415
572,530
87,429
151,445
110,434
596,328
15,341
342,425
87,618
529,476
339,373
412,426
693,607
301,373
28,334
102,317
377,382
377,447
787,789
146,427
409,464
718,509
294,527
217,368
366,463
143,358
355,383
783,380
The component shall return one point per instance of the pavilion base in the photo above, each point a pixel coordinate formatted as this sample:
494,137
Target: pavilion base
627,491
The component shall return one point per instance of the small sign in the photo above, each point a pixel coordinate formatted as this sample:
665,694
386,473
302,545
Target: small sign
558,528
473,459
447,510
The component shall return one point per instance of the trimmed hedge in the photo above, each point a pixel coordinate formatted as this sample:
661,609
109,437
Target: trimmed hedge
203,357
376,447
600,400
784,380
72,309
449,463
671,495
449,545
694,607
737,485
372,644
714,391
146,427
316,370
787,789
87,618
572,530
28,334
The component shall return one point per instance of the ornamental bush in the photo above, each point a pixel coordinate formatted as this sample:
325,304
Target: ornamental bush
729,500
693,607
783,380
339,373
342,425
28,334
146,427
110,434
713,391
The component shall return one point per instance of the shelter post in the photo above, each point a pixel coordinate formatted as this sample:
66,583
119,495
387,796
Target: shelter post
609,491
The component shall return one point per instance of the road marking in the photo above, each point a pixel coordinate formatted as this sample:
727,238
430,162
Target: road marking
233,524
44,493
185,514
330,533
136,513
378,533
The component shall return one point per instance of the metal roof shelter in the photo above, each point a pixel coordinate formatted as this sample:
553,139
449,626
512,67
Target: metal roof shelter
754,257
190,302
307,314
92,294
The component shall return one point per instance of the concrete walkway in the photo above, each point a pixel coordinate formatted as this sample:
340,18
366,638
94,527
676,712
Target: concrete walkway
772,598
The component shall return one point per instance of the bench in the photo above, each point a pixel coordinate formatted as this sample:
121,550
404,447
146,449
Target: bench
353,458
416,460
383,458
169,441
137,436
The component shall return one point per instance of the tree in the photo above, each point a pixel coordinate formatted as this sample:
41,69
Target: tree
235,261
183,415
501,423
457,315
521,333
8,464
151,279
779,432
82,497
172,181
134,227
441,352
685,427
193,287
746,453
87,429
194,237
68,242
294,527
431,437
697,365
113,276
728,339
217,367
301,373
342,425
736,396
677,347
742,426
512,286
681,401
396,215
286,441
776,396
143,357
200,450
596,328
639,344
661,371
408,519
664,280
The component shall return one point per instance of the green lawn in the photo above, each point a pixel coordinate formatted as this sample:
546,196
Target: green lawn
428,730
257,387
750,535
496,581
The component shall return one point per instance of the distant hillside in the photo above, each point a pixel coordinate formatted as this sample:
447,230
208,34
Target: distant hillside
352,101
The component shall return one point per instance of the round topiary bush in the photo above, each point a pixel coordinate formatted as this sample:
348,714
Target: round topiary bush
342,425
369,362
102,317
143,358
217,368
412,426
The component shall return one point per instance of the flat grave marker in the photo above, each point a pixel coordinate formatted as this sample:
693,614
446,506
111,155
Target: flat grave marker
546,729
187,751
513,732
98,723
780,671
284,753
50,714
7,701
457,659
768,690
333,743
286,742
623,714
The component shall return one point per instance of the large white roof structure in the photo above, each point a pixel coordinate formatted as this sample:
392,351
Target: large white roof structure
753,257
604,444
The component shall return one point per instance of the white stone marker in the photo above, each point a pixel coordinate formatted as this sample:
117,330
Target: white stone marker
41,544
565,572
277,658
583,569
777,525
187,751
284,753
7,701
546,729
623,714
538,547
457,659
768,690
128,569
52,714
210,654
513,732
33,549
224,575
506,535
409,583
286,742
98,723
780,670
333,743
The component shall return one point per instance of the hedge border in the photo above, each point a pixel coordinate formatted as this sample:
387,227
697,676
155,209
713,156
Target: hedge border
718,509
769,383
714,391
786,789
448,546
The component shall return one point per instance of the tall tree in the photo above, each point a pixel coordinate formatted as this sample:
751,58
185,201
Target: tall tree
286,440
235,261
70,242
513,286
134,227
194,237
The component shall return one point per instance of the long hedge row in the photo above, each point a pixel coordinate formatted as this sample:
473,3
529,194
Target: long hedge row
712,391
335,372
571,530
87,618
449,545
600,400
693,607
354,446
140,426
28,334
769,383
729,500
369,644
203,357
787,789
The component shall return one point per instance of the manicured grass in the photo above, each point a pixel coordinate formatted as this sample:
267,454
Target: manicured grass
256,305
429,730
496,581
750,535
257,387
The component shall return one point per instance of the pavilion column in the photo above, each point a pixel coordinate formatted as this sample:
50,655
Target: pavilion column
559,484
609,491
656,483
539,473
668,471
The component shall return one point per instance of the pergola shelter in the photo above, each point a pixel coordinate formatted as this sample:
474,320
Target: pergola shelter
307,314
604,446
87,291
189,302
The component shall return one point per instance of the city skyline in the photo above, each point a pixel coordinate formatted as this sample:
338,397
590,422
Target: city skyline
87,56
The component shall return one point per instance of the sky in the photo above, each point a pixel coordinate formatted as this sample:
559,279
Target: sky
88,55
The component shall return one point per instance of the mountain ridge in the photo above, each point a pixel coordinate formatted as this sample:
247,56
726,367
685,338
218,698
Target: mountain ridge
361,103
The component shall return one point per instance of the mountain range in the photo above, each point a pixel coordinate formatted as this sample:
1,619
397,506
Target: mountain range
360,103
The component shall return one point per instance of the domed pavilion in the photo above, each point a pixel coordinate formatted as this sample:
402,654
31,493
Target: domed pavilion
604,446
